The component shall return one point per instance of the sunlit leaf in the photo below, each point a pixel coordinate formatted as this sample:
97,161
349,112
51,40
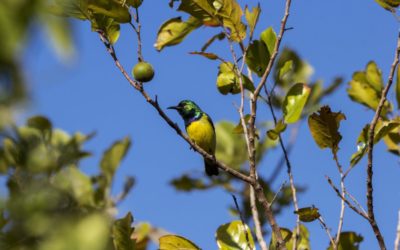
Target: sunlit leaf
324,127
308,214
108,26
348,241
286,235
294,102
257,57
374,76
274,133
70,8
268,36
42,124
229,82
234,236
200,9
121,233
175,242
252,17
231,14
174,30
110,8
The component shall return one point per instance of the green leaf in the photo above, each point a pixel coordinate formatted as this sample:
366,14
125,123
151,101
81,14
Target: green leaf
324,128
268,36
60,34
294,102
392,141
70,8
186,183
210,56
280,127
252,17
142,234
175,242
288,66
348,241
382,129
174,30
257,57
374,76
113,156
108,26
286,235
301,71
42,124
308,214
110,8
121,233
389,4
365,88
228,81
202,10
232,236
76,183
239,128
231,14
230,146
89,232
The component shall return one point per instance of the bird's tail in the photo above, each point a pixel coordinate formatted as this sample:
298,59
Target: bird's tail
211,168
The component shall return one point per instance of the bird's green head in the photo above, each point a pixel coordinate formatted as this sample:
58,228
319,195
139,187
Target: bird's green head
188,110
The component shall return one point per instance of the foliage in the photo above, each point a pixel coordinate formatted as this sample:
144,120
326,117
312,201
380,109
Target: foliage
52,204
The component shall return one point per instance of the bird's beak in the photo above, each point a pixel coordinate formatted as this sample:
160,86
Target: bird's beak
174,107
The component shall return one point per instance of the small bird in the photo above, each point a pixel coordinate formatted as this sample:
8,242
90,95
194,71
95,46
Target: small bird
200,129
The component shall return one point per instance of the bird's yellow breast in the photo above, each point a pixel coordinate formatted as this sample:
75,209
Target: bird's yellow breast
202,133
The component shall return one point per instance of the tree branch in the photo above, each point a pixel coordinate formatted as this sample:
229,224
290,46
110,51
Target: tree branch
256,219
370,149
364,215
324,226
397,240
343,194
173,125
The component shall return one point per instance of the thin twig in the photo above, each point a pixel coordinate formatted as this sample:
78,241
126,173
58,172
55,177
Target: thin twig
173,125
256,219
289,169
370,149
324,226
355,201
277,193
257,186
242,220
397,240
337,191
342,205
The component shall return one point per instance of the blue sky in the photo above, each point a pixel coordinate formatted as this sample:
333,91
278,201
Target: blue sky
89,94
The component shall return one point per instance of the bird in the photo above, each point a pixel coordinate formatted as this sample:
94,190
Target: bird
200,130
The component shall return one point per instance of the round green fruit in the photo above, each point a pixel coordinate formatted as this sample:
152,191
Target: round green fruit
143,72
135,3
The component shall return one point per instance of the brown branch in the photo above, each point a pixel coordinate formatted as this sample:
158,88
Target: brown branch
242,220
173,125
256,219
343,194
370,149
324,226
249,136
351,206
